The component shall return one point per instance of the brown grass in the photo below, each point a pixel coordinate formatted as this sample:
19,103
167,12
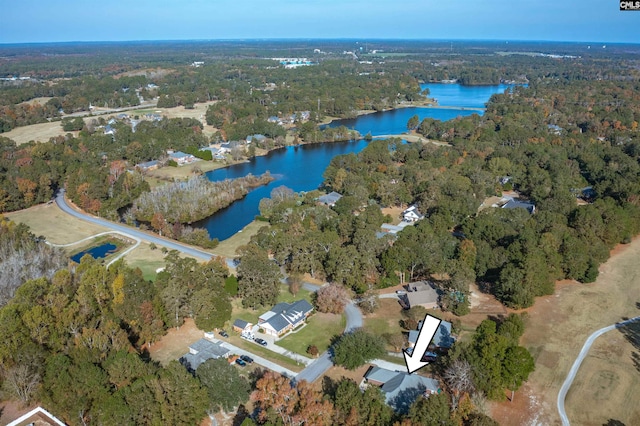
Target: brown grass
557,327
41,132
228,247
57,226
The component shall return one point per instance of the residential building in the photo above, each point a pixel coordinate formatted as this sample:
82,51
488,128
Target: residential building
285,317
37,417
242,326
400,388
442,340
420,293
412,214
147,166
201,351
330,199
182,158
517,204
257,138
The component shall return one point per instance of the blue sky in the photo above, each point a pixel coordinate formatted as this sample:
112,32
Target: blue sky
23,21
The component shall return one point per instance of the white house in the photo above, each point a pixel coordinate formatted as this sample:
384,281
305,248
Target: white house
412,214
182,158
284,317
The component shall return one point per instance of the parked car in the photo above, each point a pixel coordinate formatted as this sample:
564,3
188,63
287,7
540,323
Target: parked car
260,341
240,362
246,358
223,333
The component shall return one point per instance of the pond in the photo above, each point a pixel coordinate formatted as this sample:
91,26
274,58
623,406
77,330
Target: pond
97,252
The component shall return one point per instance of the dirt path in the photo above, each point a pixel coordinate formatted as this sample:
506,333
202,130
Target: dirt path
557,327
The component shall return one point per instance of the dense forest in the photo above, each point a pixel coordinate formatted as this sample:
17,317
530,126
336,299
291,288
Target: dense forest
77,339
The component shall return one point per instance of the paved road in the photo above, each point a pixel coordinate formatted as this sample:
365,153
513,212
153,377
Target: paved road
576,365
320,366
132,232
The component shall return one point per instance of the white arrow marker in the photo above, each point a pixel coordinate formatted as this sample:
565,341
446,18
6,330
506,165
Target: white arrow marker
414,361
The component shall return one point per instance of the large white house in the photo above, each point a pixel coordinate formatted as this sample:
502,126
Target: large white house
284,317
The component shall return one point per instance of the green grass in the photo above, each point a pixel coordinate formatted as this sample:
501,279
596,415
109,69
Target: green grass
229,246
380,326
287,297
319,330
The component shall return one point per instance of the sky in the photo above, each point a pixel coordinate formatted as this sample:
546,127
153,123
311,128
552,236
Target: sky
29,21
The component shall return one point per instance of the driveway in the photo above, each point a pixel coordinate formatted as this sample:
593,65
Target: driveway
576,365
257,359
324,363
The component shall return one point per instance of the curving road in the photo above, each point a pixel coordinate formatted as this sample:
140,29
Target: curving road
131,232
311,373
576,365
318,367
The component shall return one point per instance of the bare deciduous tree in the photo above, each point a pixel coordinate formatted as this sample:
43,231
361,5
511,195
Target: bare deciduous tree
459,378
21,381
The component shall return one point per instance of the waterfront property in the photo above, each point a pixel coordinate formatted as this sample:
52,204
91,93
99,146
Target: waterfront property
182,158
330,199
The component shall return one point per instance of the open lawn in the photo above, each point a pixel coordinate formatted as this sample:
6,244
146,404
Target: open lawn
228,247
51,222
168,174
319,331
60,228
41,132
252,347
146,259
607,385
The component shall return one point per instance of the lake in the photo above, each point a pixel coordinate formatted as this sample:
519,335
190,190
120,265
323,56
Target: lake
301,168
463,96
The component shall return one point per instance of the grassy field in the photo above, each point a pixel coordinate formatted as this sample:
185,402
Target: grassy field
41,132
228,247
57,226
557,327
168,174
319,330
146,259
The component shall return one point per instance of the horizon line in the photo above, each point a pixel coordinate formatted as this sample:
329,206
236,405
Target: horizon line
319,39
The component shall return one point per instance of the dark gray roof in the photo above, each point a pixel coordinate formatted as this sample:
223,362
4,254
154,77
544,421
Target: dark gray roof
288,313
330,199
204,350
148,164
401,389
517,204
442,338
240,323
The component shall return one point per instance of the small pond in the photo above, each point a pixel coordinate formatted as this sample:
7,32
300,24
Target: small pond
97,252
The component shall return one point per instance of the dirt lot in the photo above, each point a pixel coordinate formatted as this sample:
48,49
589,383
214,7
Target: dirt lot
607,383
175,343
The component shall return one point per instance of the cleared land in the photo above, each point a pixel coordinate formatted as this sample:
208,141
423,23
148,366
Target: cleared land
607,385
57,226
228,247
42,132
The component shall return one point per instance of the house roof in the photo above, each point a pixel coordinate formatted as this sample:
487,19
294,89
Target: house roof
205,350
240,323
517,204
401,388
442,338
180,154
147,164
421,293
381,375
330,199
37,416
392,229
284,314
